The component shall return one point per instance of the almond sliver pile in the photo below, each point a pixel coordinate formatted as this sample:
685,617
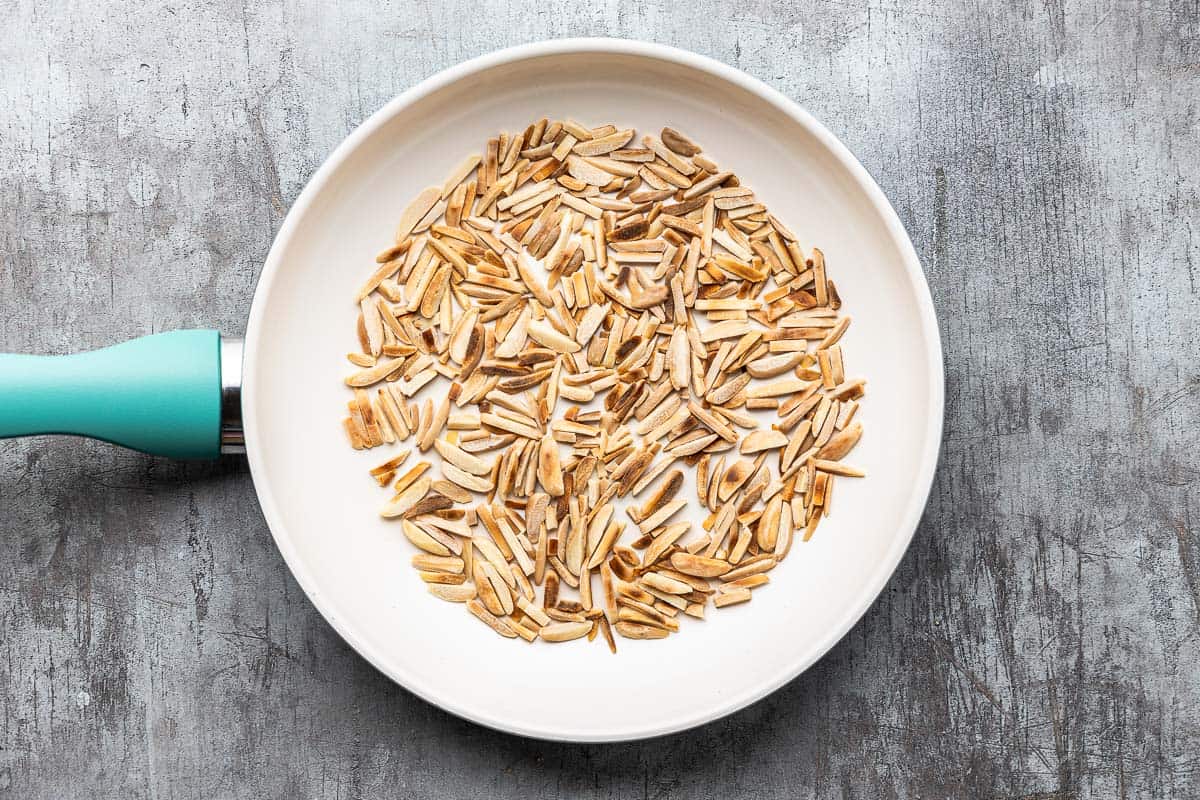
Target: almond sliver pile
595,320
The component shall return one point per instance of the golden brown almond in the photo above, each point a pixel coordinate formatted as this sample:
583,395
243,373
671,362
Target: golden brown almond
500,626
731,597
416,211
699,566
679,143
407,499
761,440
422,539
564,631
635,630
841,443
460,593
549,469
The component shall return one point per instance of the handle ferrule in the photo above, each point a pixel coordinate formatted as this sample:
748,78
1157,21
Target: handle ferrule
233,440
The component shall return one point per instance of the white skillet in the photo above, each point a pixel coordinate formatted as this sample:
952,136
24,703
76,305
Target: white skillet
164,394
323,511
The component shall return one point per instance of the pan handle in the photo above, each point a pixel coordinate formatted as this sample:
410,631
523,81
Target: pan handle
172,394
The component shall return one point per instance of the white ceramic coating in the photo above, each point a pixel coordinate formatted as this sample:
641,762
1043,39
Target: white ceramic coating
321,505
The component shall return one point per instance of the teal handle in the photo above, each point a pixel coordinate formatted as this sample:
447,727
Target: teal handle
159,394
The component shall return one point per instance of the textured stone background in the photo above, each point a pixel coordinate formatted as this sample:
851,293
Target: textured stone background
1041,639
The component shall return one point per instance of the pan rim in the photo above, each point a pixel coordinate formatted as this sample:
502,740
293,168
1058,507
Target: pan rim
921,484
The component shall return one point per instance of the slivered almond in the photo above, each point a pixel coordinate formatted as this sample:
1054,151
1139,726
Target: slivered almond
454,594
604,546
437,563
590,323
754,566
729,597
841,443
604,144
405,500
466,480
711,421
500,626
505,424
564,631
662,515
544,334
461,459
776,388
635,630
549,469
459,174
699,566
679,359
679,143
665,539
663,583
770,366
761,440
727,390
422,539
375,374
416,211
733,479
838,468
494,587
584,170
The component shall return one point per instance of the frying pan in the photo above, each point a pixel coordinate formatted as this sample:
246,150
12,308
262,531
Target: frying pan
193,394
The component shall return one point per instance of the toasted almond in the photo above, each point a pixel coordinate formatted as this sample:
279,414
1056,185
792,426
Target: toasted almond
434,563
549,469
679,359
763,563
666,537
416,211
584,170
466,480
776,388
460,593
767,528
729,597
459,174
663,583
699,566
544,334
662,515
493,590
838,468
422,539
770,366
381,371
724,393
679,143
564,631
635,630
841,443
461,459
664,493
405,500
761,440
512,426
733,479
604,144
500,626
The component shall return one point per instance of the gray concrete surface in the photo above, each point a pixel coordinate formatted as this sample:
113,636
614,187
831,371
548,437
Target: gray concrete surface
1040,639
